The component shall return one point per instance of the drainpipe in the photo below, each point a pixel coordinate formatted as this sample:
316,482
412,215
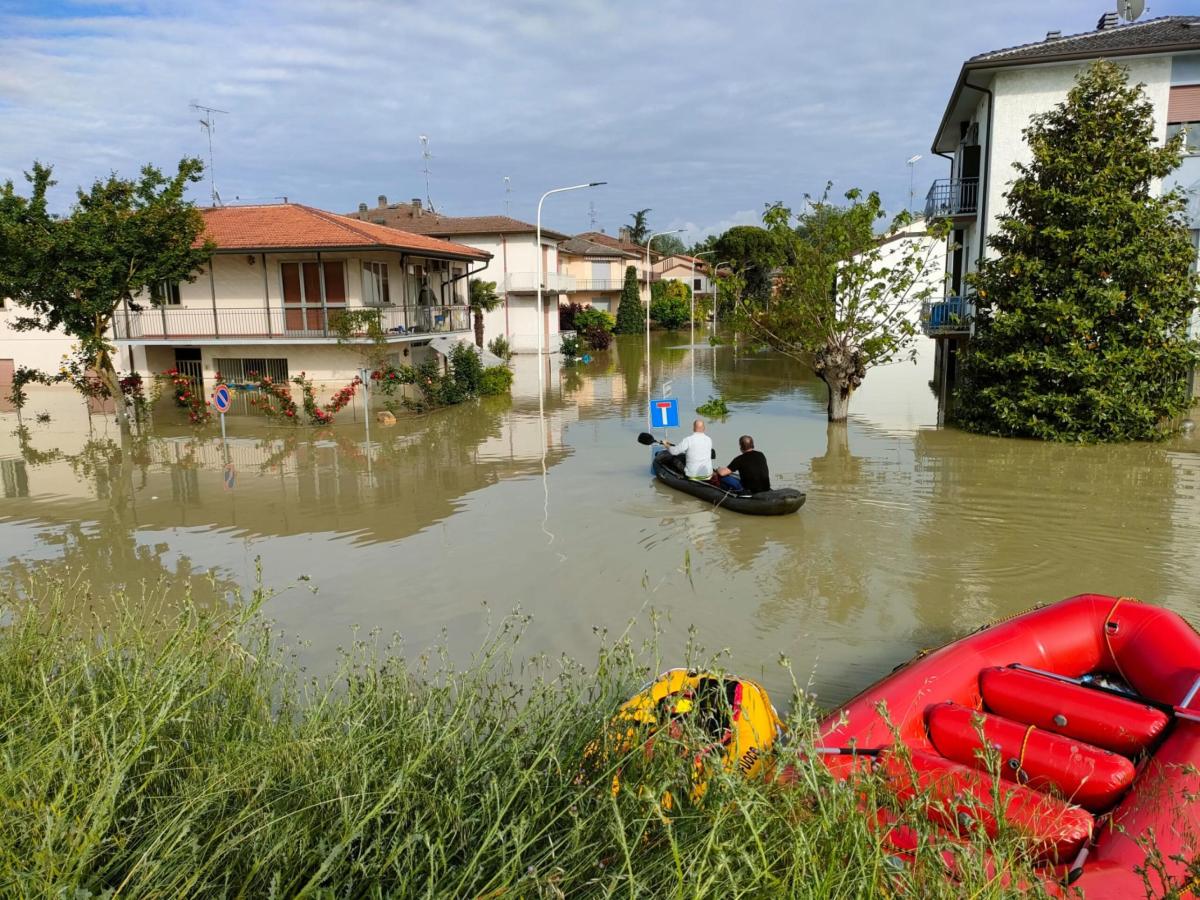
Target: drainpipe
266,292
504,267
212,286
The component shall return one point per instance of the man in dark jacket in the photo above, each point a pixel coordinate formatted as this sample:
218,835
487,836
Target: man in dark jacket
751,467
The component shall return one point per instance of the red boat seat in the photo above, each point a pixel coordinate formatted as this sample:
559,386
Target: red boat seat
960,797
1105,720
1083,774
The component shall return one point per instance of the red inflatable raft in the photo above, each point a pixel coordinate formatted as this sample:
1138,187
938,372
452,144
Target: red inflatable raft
1085,705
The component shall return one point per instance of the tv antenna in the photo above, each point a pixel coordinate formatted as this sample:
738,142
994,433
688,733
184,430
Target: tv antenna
1129,10
208,122
507,195
426,156
911,163
592,218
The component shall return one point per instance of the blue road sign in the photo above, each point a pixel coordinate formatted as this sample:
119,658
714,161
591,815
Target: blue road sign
665,413
221,398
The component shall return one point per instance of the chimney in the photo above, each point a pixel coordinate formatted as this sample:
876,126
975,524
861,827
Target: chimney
416,205
1107,21
382,201
1053,35
362,207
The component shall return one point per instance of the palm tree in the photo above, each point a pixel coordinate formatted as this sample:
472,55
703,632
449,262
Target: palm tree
640,229
483,299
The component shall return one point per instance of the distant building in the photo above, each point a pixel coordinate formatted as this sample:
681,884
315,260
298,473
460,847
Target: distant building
280,276
981,134
691,270
512,245
636,255
597,271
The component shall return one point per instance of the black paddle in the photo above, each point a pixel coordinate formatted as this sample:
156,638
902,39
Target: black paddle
647,440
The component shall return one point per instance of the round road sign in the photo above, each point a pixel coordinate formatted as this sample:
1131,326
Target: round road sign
221,398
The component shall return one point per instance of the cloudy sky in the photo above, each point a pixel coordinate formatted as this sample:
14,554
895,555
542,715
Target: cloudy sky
702,111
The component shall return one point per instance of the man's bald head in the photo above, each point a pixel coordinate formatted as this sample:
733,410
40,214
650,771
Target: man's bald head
698,426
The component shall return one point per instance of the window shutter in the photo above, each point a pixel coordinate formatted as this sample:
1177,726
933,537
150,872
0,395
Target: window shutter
1184,105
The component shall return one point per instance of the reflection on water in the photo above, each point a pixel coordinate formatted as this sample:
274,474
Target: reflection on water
911,535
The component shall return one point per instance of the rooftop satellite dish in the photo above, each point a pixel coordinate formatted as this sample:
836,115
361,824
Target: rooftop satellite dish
1131,9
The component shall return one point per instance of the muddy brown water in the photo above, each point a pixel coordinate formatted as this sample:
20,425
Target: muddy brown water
912,535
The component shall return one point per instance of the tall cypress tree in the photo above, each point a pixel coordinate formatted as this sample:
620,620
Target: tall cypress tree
631,315
1082,316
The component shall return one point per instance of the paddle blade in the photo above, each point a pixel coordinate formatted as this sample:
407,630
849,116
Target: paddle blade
646,439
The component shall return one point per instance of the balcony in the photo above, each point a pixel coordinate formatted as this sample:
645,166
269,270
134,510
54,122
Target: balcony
952,198
249,325
598,284
527,282
949,316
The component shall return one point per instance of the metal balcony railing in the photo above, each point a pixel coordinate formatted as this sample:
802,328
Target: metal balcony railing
599,284
951,315
950,197
526,282
280,323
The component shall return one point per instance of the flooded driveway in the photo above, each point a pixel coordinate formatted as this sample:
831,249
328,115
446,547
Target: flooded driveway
911,535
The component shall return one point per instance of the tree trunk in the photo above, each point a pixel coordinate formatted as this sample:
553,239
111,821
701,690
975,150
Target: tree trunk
478,311
842,369
108,375
840,392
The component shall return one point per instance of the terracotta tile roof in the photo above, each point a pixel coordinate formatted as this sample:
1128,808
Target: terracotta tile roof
581,246
1149,36
599,237
415,220
293,226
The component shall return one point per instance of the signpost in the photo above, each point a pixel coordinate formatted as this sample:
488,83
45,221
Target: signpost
221,401
665,413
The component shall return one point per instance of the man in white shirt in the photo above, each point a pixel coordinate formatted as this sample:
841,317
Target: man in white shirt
698,448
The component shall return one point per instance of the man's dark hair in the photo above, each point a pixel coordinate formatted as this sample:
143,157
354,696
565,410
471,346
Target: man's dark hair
746,442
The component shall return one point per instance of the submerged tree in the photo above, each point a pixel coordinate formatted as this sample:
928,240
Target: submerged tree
1082,317
845,299
483,300
122,240
631,318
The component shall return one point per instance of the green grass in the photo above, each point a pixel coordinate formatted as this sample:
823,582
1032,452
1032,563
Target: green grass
159,749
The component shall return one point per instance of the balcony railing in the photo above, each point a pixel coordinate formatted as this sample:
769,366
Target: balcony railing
949,316
281,323
526,282
951,197
599,284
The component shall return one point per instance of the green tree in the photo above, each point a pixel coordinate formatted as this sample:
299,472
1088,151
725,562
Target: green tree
640,229
1082,317
754,253
669,245
845,301
670,304
630,312
121,240
483,299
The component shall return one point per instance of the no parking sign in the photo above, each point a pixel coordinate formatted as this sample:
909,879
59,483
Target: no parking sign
221,398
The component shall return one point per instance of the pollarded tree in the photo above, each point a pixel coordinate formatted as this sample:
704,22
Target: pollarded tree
631,315
121,240
846,300
1082,316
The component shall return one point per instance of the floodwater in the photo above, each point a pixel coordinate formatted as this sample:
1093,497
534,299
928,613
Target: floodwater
911,534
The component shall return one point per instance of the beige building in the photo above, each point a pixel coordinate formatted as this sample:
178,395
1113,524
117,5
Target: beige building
691,270
514,251
597,271
281,275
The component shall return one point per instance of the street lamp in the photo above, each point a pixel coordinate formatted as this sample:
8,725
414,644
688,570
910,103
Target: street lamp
695,256
649,241
716,269
912,164
538,251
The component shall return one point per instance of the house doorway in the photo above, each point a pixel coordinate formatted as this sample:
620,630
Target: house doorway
189,364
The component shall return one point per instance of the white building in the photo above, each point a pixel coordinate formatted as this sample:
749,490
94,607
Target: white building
513,247
280,278
981,135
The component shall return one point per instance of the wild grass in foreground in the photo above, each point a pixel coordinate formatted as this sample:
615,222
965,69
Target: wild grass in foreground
172,751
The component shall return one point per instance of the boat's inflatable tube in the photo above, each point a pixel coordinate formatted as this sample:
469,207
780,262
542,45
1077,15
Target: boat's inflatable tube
1038,679
766,503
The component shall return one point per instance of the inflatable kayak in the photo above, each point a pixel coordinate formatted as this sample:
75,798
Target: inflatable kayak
1087,711
765,503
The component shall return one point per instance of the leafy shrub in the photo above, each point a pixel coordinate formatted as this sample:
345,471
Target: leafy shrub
597,338
570,347
495,380
591,317
670,304
714,407
566,315
500,347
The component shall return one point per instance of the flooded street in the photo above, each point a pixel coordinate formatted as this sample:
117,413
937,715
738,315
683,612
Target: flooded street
911,535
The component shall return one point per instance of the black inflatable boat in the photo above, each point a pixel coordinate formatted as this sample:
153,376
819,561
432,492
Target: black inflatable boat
766,503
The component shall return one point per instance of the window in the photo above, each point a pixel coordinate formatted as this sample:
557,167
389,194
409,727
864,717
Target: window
165,293
375,284
696,282
237,370
1191,138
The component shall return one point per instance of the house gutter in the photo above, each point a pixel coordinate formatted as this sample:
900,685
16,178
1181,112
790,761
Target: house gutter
467,274
987,169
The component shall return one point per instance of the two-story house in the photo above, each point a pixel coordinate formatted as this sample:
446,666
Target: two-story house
513,247
280,278
597,271
691,270
635,255
981,135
